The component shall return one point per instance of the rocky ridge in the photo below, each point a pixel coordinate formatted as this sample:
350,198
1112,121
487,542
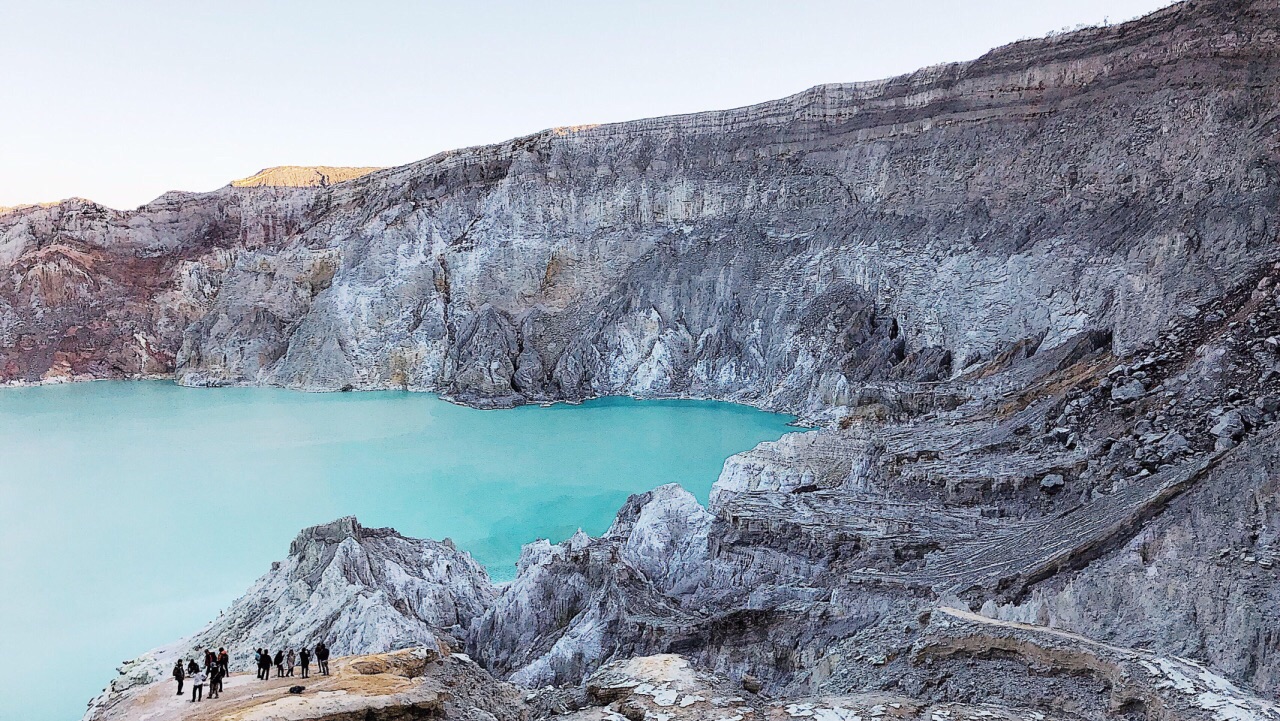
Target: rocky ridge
299,176
413,683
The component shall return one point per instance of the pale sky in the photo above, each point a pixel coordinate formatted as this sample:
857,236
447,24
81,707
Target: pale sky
121,101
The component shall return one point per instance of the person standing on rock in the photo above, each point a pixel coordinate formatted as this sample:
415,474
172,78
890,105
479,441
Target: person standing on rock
197,685
179,675
322,655
304,658
279,659
289,661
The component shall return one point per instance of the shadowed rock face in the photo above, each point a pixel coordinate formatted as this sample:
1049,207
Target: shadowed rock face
922,553
780,254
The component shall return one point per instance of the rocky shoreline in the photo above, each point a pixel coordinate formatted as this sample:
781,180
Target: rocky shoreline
1030,302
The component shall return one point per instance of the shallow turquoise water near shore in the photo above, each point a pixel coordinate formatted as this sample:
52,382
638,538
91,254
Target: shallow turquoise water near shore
131,512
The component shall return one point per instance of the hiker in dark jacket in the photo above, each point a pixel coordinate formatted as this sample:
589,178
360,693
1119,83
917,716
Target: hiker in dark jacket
322,655
215,681
179,675
264,664
304,658
224,661
279,659
192,667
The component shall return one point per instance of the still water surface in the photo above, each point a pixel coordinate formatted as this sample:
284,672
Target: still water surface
131,512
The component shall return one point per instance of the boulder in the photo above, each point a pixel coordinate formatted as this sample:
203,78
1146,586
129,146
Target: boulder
1129,390
1230,425
1052,483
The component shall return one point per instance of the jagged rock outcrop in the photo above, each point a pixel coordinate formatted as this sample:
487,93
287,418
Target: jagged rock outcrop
360,590
584,600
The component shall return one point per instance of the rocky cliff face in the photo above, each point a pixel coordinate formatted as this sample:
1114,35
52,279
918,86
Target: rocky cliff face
1031,300
781,254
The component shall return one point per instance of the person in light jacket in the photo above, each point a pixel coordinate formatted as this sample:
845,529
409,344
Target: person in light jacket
197,686
289,660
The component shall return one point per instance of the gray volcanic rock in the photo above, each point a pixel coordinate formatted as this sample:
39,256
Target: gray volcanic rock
360,590
577,603
781,254
830,553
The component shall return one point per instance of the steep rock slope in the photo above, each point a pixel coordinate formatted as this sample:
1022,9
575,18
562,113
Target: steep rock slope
781,254
1118,506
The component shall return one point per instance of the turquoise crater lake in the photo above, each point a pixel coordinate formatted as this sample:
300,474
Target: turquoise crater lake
131,512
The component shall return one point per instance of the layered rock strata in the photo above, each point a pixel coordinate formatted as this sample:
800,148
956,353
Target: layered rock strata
782,254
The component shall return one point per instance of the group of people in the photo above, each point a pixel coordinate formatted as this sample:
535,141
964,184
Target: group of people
286,662
213,673
215,669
